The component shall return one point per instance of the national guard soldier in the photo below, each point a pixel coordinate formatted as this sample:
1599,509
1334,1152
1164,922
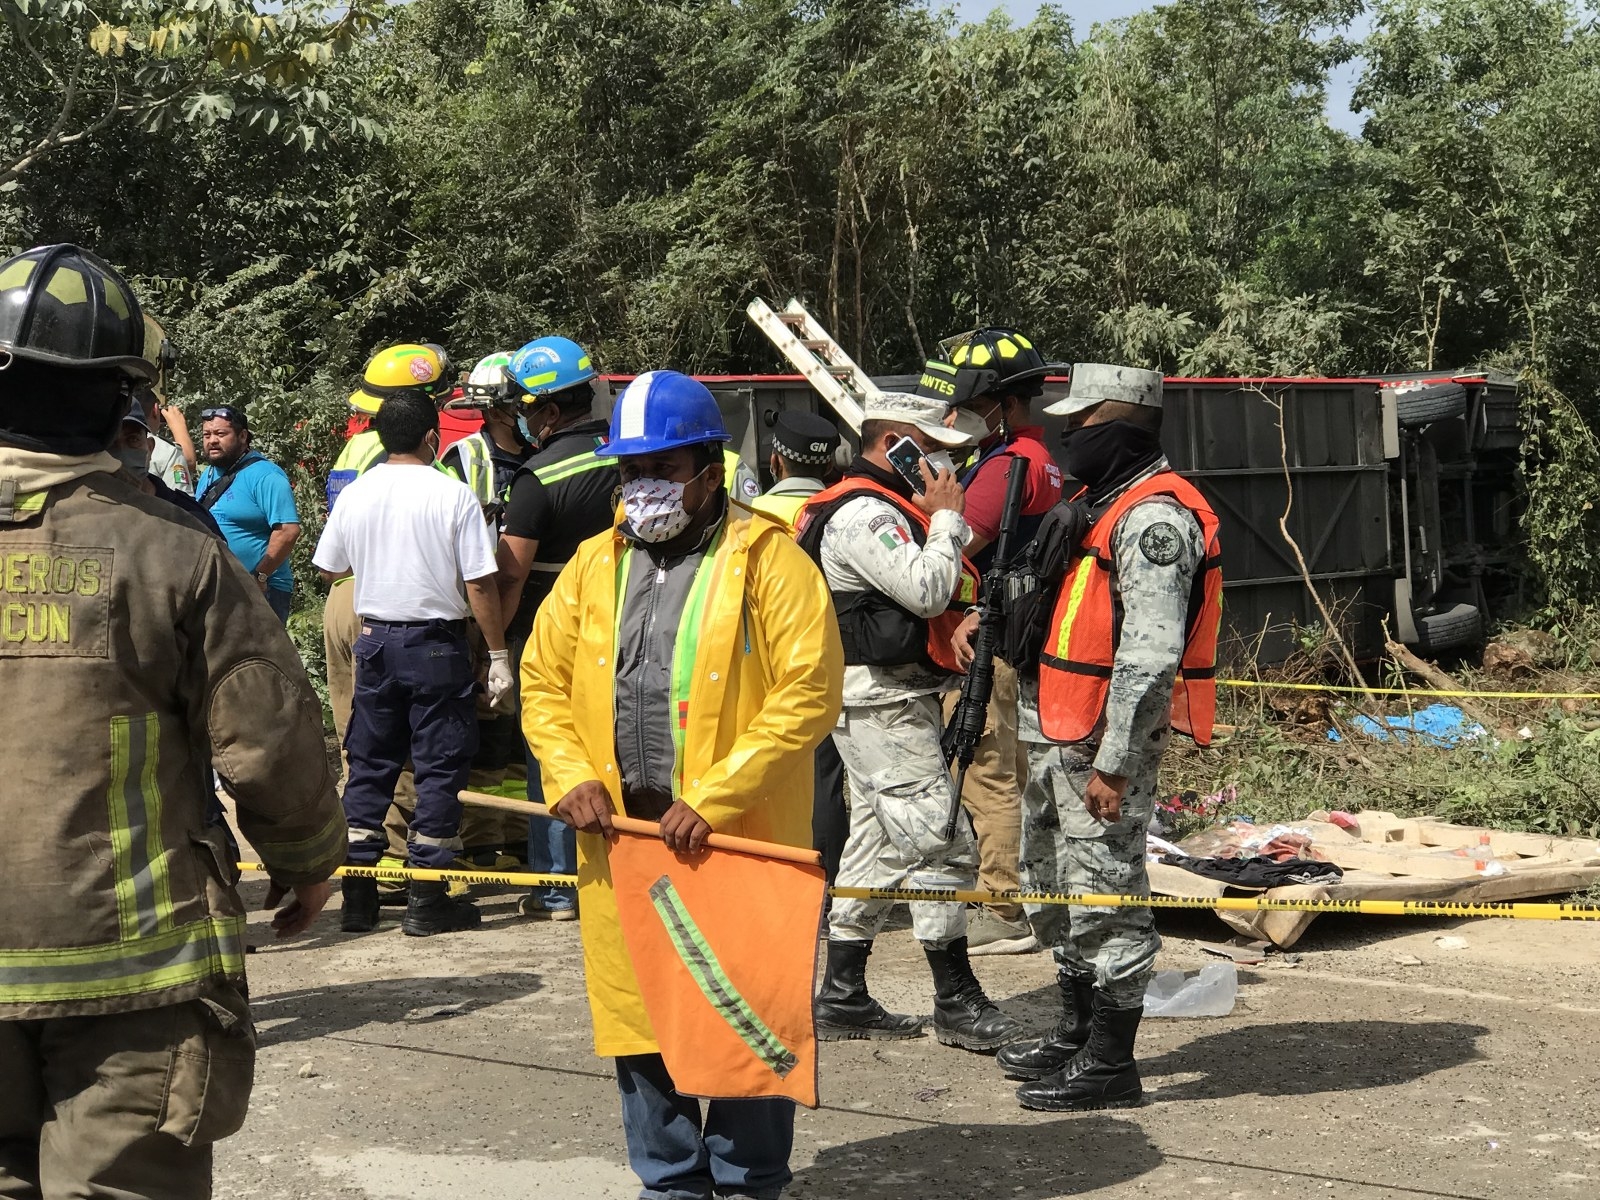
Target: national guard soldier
892,559
1129,655
144,654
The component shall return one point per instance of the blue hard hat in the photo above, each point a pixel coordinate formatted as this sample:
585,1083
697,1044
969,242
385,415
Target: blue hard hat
550,364
662,410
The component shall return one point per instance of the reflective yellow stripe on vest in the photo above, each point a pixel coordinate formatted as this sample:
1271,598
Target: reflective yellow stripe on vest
685,648
480,468
152,953
1080,586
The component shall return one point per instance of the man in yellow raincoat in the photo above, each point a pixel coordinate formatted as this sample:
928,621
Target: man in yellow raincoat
683,670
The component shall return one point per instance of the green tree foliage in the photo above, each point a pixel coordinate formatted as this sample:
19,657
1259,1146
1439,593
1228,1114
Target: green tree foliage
1163,189
74,69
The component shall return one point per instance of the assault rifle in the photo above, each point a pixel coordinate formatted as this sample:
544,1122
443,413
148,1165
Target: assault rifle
961,736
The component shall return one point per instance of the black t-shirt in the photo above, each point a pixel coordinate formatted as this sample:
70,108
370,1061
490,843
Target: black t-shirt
560,498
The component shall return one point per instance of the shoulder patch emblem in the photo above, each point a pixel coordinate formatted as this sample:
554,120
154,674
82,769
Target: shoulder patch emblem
881,522
752,489
1161,543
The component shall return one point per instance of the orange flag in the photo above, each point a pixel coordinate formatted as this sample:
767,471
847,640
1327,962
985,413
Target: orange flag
724,946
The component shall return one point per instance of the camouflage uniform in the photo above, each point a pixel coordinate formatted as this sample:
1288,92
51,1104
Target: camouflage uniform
1064,849
888,735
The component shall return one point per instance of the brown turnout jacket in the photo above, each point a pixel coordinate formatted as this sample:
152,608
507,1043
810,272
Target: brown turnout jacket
135,653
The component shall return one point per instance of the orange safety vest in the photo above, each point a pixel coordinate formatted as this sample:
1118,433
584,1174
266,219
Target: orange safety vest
940,628
1075,668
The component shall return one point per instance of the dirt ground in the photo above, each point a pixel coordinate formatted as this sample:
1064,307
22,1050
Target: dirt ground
1352,1074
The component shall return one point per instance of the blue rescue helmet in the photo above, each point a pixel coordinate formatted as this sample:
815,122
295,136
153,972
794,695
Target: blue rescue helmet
662,410
549,365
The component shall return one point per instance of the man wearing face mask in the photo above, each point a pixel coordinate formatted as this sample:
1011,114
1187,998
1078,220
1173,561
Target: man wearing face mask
995,374
892,557
422,558
564,494
685,667
420,368
133,450
488,460
1129,656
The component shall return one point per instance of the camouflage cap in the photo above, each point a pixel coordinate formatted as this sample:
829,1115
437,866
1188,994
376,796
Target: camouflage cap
928,415
1096,383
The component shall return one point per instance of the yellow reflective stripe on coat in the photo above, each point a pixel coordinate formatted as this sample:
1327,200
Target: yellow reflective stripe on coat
208,948
298,858
139,858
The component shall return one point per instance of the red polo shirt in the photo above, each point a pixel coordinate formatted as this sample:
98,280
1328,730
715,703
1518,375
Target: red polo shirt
986,494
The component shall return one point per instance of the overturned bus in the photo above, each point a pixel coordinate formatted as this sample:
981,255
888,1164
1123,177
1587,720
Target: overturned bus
1401,495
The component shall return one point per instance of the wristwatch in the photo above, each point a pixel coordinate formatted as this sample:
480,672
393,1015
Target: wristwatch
263,576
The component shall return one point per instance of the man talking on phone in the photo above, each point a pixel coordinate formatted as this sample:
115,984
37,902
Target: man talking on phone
888,538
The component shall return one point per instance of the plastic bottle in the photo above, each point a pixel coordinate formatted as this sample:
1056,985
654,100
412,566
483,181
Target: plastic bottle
1483,858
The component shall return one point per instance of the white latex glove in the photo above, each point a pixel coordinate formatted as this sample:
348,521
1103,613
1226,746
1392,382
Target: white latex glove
502,683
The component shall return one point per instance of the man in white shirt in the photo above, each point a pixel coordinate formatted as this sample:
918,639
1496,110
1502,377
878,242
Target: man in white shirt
413,536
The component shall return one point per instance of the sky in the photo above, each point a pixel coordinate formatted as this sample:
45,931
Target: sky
1084,13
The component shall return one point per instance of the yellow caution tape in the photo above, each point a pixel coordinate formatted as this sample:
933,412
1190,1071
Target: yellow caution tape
1383,691
1371,908
1516,911
400,874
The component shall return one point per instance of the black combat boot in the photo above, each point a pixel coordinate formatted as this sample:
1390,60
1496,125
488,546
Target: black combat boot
359,910
1102,1074
1049,1052
431,910
844,1011
962,1014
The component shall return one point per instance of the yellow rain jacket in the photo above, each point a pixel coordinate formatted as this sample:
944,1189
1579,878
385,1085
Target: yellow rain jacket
765,691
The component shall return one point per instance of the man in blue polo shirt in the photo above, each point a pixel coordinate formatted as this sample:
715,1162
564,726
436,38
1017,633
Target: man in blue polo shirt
251,500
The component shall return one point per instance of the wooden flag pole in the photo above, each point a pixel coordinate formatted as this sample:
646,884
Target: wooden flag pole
717,841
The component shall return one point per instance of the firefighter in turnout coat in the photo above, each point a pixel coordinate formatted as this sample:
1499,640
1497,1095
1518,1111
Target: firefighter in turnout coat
144,655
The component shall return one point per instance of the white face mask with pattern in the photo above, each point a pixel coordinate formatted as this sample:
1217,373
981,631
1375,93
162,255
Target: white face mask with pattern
654,508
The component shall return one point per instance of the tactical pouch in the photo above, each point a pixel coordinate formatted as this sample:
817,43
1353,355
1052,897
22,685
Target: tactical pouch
876,631
1030,592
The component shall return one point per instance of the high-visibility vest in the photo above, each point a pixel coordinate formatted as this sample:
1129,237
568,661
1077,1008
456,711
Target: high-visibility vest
478,463
784,506
808,532
1086,626
362,451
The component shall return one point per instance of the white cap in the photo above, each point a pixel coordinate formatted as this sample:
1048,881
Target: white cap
1096,383
928,415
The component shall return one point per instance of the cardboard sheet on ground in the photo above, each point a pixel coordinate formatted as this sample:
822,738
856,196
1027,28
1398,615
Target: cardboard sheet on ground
725,949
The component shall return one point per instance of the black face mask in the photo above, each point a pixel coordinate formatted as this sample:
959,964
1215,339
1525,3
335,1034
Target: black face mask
1103,457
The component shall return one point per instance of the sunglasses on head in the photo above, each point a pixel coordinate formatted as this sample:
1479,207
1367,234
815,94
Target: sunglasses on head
231,415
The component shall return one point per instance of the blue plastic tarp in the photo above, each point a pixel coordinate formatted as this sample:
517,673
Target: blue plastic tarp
1436,725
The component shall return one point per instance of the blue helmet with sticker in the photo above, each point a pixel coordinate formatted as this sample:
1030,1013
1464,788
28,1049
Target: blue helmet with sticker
662,410
549,365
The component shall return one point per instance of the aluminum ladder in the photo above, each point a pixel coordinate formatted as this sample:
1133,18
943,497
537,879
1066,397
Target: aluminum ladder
814,353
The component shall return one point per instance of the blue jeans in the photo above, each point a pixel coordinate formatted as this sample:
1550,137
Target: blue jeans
741,1148
552,847
281,601
413,700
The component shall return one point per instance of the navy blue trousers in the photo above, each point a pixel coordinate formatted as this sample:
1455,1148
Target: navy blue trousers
413,702
738,1148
